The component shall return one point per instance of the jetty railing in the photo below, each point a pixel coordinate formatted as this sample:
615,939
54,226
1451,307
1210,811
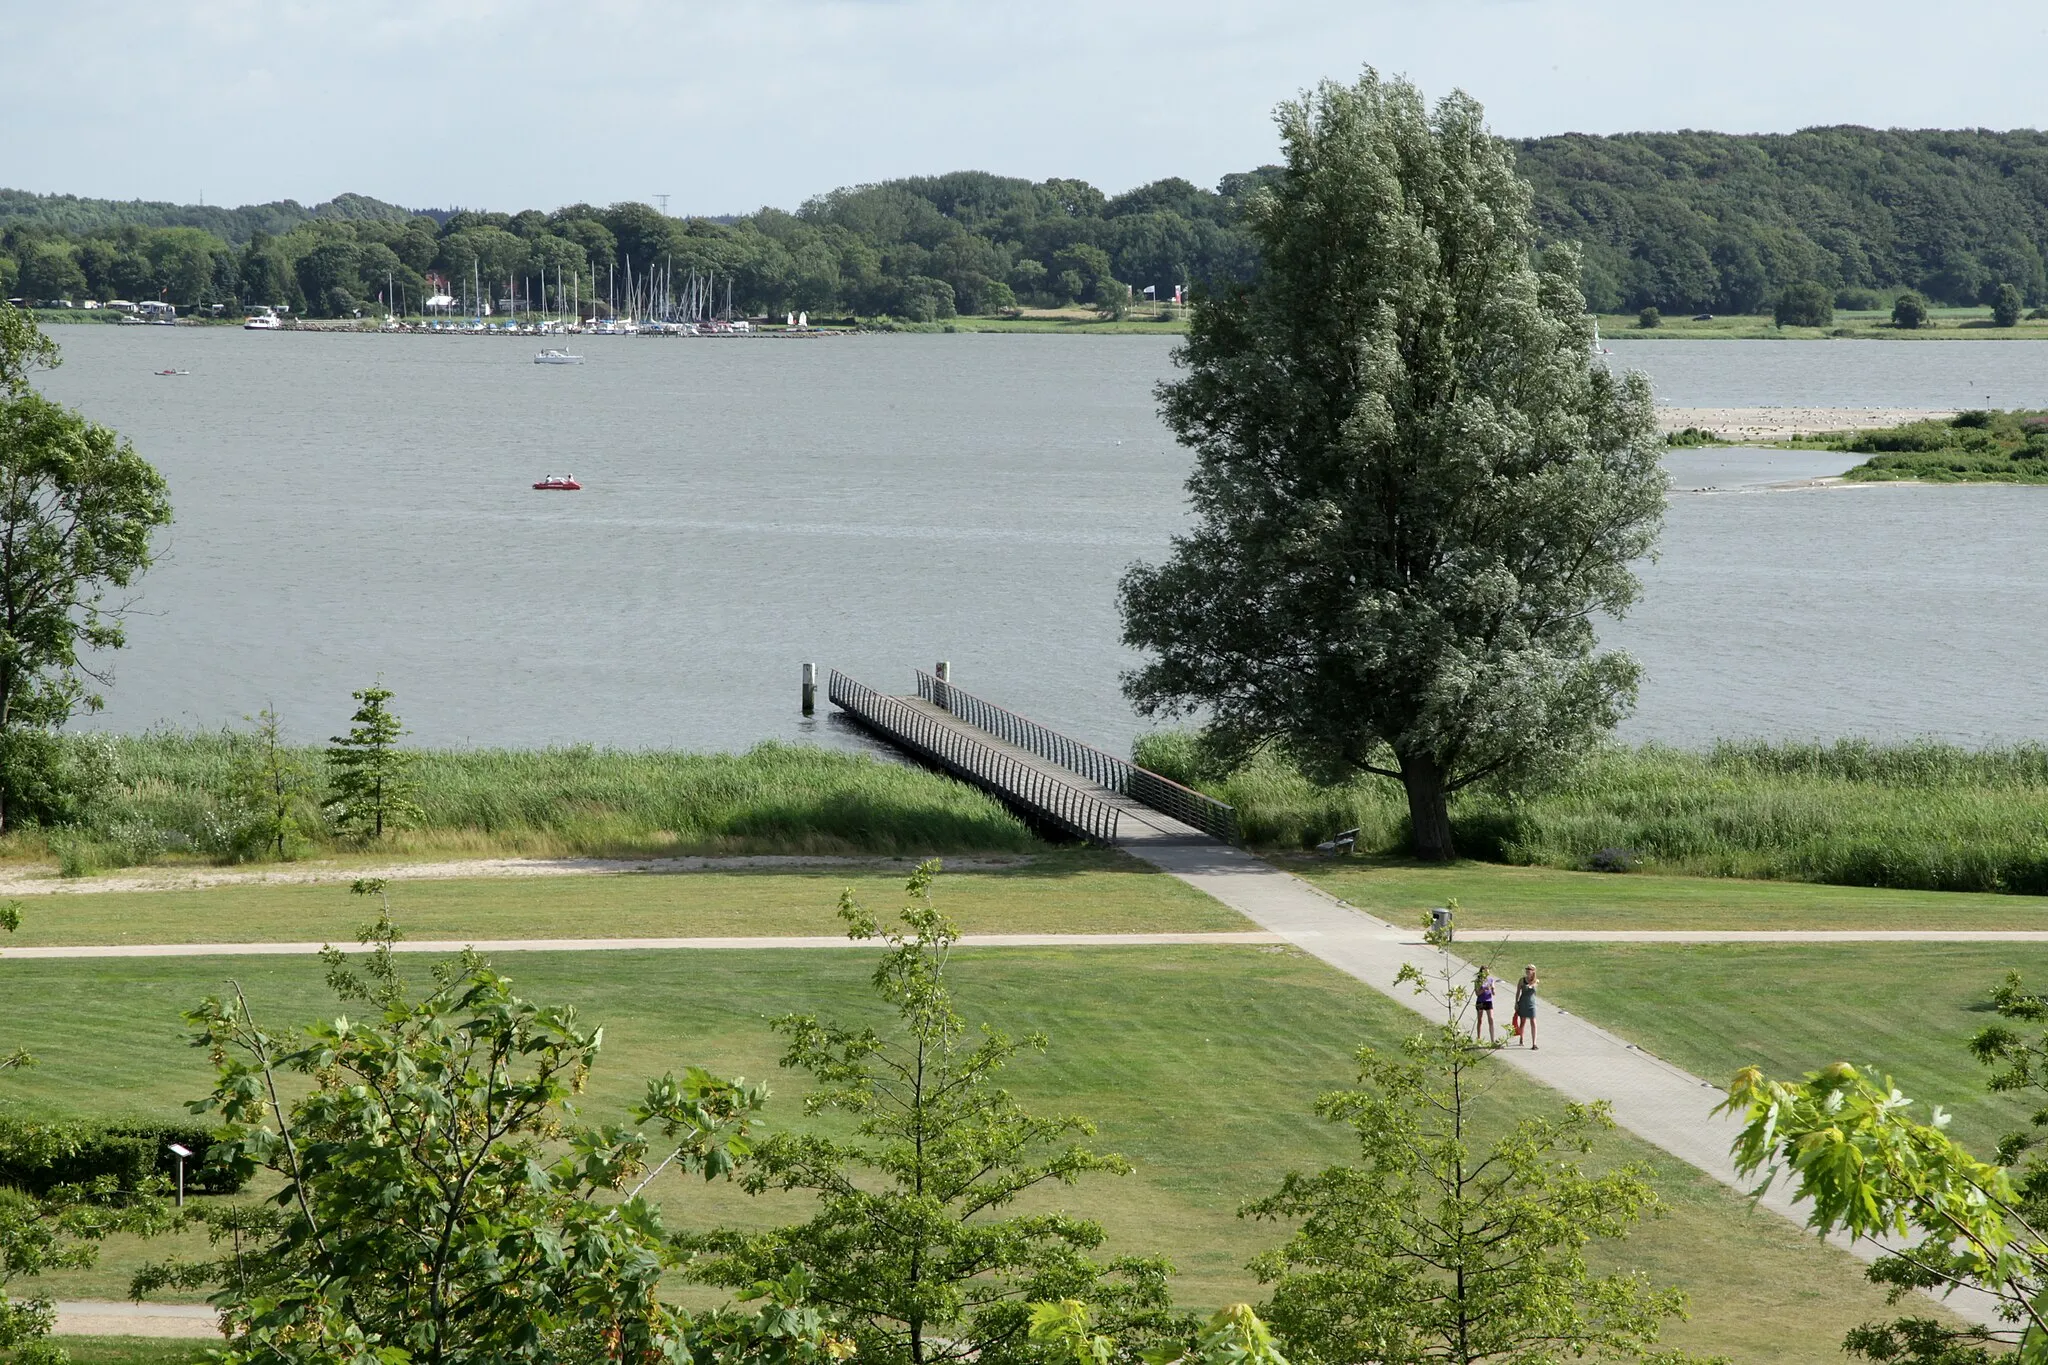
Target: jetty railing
1142,785
1068,807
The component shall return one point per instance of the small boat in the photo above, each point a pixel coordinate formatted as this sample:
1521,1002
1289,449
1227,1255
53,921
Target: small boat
174,371
552,357
263,322
558,483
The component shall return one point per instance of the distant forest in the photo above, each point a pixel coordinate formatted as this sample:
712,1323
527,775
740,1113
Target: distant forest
1678,221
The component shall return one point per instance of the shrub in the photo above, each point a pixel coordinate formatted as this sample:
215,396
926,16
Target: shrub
1612,860
1649,318
1909,311
1805,304
1691,436
38,1157
1858,300
1914,439
1971,419
2006,305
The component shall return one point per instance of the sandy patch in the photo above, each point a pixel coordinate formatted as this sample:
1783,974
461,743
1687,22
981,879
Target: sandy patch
39,882
1780,424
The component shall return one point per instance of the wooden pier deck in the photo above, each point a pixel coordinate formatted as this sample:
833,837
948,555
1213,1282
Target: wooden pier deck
1045,776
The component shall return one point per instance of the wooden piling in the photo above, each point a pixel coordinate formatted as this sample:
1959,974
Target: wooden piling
810,689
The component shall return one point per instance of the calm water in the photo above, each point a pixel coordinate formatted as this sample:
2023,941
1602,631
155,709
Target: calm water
354,507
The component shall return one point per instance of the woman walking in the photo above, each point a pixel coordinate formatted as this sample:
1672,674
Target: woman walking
1482,1006
1525,1006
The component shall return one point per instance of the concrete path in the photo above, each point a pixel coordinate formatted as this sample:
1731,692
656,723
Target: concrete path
614,945
43,881
104,1318
1369,929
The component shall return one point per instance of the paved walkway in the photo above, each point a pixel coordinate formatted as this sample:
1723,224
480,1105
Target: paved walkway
489,946
106,1318
1370,928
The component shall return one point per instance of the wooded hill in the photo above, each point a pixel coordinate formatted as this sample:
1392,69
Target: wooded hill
1682,221
1688,221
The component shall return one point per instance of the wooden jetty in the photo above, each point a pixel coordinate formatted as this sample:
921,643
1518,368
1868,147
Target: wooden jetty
1049,778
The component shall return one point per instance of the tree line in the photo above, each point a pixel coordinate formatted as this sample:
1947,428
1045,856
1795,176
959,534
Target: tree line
922,249
1676,221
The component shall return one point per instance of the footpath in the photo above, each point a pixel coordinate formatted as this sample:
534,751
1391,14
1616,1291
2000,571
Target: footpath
1371,929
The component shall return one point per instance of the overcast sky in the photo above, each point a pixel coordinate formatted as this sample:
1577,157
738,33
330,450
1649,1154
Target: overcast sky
506,104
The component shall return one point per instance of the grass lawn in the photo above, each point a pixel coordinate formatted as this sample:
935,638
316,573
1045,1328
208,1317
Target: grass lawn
1493,896
1198,1064
133,1351
1906,1009
1075,891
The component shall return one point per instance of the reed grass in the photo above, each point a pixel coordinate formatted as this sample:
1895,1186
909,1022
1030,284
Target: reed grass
1918,816
170,798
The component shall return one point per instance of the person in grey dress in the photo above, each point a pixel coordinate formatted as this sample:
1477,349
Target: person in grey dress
1525,1006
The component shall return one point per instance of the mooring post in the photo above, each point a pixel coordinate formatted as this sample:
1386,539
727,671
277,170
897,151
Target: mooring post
810,689
944,672
943,693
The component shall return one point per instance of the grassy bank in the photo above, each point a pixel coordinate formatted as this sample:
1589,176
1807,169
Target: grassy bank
1916,816
1199,1064
169,796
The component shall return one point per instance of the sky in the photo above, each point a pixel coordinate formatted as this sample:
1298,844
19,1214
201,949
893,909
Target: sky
727,106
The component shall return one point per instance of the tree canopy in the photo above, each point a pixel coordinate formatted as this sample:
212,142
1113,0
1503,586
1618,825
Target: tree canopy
78,508
1413,487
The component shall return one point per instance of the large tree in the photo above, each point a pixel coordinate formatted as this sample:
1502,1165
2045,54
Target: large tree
77,509
1414,487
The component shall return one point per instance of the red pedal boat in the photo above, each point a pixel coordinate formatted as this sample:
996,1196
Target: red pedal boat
559,483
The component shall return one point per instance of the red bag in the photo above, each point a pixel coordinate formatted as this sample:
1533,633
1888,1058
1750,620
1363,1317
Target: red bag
1517,1027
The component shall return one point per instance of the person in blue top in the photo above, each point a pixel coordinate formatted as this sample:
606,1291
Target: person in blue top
1525,1006
1482,1006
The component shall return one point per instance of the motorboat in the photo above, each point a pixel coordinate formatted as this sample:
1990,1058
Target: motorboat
264,322
554,357
558,483
174,371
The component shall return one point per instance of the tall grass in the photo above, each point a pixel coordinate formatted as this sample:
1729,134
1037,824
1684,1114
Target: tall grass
169,796
1923,815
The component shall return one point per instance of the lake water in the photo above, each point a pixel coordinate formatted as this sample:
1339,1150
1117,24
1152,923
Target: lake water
356,507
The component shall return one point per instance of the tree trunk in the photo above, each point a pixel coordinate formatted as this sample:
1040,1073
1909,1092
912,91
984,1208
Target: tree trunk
1429,812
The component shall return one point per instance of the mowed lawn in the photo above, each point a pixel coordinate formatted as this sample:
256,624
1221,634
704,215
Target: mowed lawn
1067,892
1905,1009
1200,1064
1493,896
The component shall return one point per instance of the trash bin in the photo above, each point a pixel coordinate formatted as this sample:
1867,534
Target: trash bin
1440,921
